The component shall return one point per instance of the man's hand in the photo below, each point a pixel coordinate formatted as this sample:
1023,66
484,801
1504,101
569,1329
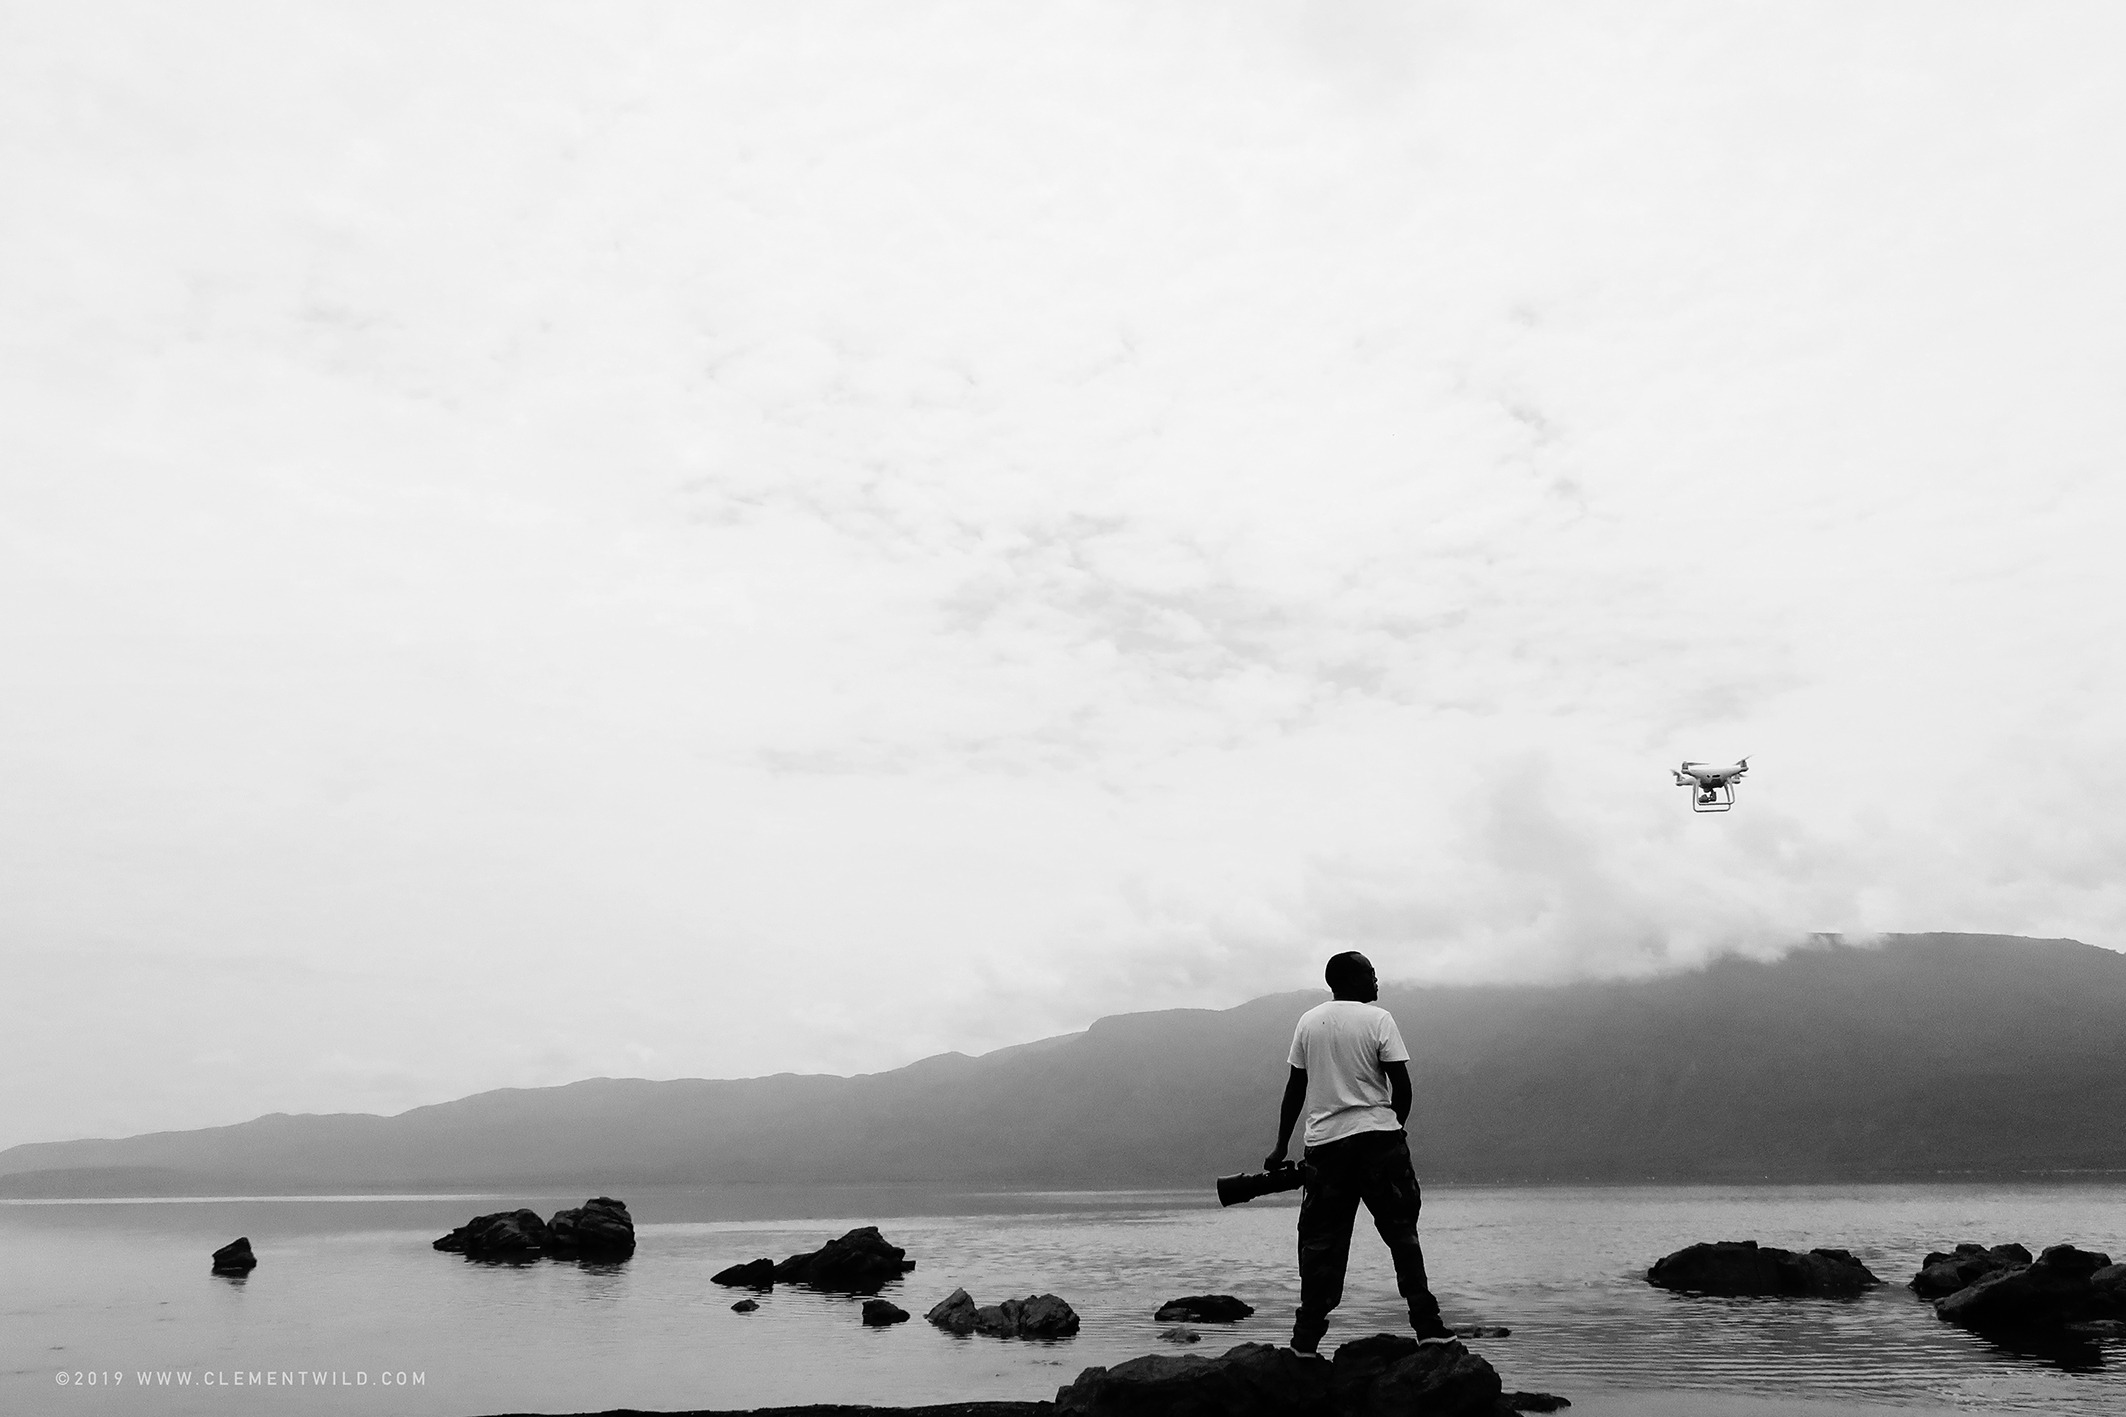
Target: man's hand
1274,1160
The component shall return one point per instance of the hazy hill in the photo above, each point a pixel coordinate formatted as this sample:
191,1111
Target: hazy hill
1929,1055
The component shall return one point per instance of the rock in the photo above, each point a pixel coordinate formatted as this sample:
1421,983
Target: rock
2099,1328
1204,1309
1035,1316
754,1274
1253,1380
955,1313
506,1234
2108,1287
1180,1334
860,1262
1941,1274
1536,1401
1046,1316
1485,1331
745,1306
600,1228
878,1313
2056,1289
1742,1267
1392,1374
235,1257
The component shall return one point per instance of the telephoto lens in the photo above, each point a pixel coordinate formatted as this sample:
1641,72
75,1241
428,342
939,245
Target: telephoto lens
1234,1190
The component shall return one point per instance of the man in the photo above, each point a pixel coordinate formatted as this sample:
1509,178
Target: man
1351,1074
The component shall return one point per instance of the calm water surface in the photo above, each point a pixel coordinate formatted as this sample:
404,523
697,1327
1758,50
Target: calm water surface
348,1293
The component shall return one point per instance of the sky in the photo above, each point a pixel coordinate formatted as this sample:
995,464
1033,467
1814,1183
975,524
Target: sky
669,540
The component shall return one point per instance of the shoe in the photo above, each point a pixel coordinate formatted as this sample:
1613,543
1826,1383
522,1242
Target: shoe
1306,1334
1433,1331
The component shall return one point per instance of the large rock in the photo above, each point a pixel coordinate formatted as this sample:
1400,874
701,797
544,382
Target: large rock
1204,1308
235,1257
1035,1316
506,1234
600,1228
1253,1380
1387,1375
955,1313
2064,1285
1941,1273
754,1274
878,1313
1393,1375
860,1262
1744,1267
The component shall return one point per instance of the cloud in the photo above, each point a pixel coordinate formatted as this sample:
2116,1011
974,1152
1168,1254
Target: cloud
701,543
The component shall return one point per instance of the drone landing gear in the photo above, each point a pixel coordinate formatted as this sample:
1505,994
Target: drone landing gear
1719,798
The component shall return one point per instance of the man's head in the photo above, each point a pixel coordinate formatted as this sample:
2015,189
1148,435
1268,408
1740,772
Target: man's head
1351,976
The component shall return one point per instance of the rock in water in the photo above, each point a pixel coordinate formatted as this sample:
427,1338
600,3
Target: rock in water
1387,1375
1204,1309
1179,1334
755,1274
858,1263
2059,1288
1536,1401
878,1313
1035,1316
506,1234
1743,1267
1045,1316
235,1257
955,1313
1253,1380
600,1228
1485,1331
1392,1374
745,1306
1941,1274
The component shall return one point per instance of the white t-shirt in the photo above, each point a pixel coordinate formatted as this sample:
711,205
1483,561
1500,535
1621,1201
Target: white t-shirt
1342,1045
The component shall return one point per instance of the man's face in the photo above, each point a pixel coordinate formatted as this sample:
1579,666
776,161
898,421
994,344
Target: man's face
1368,985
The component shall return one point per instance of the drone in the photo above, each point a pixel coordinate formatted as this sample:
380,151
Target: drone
1712,784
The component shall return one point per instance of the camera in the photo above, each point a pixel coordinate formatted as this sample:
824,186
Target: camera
1234,1190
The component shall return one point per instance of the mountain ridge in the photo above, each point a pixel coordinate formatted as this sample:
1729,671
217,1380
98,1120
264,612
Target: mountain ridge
1924,1055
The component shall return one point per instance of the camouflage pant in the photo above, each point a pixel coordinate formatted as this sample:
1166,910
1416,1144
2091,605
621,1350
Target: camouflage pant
1373,1167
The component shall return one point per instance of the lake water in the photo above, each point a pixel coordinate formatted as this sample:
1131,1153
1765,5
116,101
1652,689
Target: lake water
349,1298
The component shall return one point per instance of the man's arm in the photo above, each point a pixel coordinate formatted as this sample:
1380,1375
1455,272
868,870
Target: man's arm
1295,1098
1399,1091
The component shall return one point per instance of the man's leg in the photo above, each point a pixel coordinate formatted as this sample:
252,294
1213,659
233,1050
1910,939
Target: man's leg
1388,1185
1325,1215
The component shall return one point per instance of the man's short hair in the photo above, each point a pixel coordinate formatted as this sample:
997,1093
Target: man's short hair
1347,971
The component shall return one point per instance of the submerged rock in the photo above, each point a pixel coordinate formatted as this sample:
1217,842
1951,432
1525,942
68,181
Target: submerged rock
1485,1331
506,1234
754,1274
600,1228
1204,1309
1536,1401
2064,1285
1180,1334
745,1306
1941,1273
1743,1267
860,1262
235,1257
878,1313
